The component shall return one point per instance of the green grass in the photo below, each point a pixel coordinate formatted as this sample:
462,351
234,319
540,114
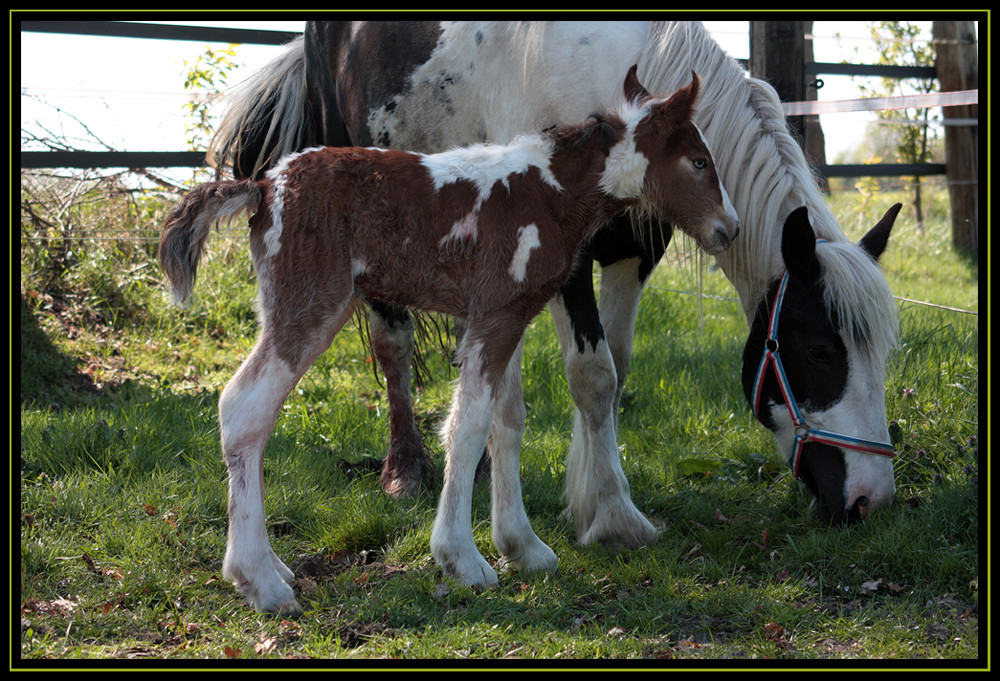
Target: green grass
123,490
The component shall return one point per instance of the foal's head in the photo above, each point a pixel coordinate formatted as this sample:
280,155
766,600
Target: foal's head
664,163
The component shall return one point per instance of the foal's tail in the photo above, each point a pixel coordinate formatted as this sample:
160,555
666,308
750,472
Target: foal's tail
188,224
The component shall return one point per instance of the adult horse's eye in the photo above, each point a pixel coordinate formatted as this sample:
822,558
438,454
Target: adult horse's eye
818,353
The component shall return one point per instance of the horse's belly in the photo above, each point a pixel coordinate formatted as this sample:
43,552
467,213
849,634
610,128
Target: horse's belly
489,82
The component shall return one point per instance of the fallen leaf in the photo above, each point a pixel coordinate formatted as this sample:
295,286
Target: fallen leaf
266,646
64,605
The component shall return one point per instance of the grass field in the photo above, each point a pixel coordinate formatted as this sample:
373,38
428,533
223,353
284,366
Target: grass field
122,516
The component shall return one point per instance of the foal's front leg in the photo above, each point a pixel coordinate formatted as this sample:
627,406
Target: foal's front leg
465,433
512,533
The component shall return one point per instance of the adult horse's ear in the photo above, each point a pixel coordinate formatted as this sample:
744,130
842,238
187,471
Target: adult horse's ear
634,91
798,246
874,242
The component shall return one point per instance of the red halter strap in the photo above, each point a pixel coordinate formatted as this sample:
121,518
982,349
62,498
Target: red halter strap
803,432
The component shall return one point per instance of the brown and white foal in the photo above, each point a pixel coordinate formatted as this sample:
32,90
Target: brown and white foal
486,233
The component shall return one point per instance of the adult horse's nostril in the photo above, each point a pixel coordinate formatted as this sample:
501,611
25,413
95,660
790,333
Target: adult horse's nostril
858,510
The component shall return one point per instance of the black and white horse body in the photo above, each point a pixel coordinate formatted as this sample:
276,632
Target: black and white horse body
429,86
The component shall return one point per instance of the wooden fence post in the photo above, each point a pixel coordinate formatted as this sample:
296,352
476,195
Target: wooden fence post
958,69
777,55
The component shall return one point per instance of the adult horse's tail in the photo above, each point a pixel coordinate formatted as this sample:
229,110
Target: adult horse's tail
188,224
268,116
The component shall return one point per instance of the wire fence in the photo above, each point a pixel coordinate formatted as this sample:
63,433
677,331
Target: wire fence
119,164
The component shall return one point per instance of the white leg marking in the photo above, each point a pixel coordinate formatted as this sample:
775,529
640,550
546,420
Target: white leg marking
248,409
465,433
597,491
512,533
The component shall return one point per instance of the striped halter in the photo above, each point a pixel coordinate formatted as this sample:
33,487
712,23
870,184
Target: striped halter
803,432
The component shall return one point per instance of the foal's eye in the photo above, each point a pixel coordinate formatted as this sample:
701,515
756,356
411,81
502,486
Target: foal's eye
699,163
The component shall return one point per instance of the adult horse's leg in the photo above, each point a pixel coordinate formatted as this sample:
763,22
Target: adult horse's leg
408,465
596,350
512,533
248,409
626,261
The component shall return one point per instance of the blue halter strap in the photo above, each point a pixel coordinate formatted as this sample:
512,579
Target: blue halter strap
803,432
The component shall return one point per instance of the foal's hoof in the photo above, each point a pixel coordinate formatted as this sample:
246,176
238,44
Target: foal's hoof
279,600
475,572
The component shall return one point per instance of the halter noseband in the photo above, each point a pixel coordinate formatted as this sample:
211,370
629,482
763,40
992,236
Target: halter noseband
803,432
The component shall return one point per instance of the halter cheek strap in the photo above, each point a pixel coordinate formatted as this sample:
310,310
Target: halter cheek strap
803,432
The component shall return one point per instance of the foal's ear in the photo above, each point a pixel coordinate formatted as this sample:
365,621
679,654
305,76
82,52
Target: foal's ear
693,88
634,91
874,242
680,106
798,246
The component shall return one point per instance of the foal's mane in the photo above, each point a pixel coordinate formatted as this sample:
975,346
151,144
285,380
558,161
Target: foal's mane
606,127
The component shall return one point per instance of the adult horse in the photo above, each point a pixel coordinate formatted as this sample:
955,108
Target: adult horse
429,86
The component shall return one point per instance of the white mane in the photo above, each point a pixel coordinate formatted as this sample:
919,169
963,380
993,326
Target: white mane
766,174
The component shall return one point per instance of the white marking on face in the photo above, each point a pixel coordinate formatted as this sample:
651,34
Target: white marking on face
727,205
860,413
527,241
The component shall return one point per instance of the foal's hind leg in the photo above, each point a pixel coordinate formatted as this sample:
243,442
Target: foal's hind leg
248,409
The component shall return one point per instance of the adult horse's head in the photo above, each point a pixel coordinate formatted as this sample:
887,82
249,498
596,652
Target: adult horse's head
814,367
666,164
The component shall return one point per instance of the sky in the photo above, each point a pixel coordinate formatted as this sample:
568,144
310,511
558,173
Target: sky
130,93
